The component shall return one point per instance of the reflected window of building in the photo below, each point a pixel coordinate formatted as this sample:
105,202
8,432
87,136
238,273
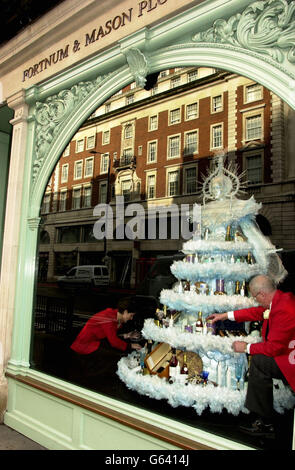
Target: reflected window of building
254,127
152,152
104,163
151,186
254,169
191,111
253,92
45,209
126,189
67,151
87,193
103,192
216,104
64,173
175,82
190,180
90,142
191,76
128,131
106,137
153,123
68,234
175,116
190,143
216,136
174,146
173,183
63,200
79,145
76,198
88,170
78,170
129,99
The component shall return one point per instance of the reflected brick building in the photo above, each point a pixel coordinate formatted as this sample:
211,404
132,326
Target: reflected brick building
152,147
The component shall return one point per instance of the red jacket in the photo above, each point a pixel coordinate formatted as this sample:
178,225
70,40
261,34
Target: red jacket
102,325
280,342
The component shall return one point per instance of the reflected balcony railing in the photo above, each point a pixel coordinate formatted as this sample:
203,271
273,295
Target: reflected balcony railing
126,161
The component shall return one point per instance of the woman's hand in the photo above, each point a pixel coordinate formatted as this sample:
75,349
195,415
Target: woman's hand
136,346
132,335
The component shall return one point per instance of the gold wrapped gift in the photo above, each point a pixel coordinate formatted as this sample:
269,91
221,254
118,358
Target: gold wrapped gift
193,361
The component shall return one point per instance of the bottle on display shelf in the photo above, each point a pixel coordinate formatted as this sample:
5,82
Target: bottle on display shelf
165,311
186,286
173,366
250,258
206,234
219,287
243,289
239,237
199,324
228,237
149,346
237,288
184,370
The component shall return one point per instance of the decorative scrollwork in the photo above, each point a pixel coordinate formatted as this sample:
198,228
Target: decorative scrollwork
266,27
51,115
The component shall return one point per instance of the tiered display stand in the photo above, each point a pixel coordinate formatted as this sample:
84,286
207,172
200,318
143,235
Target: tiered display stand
211,279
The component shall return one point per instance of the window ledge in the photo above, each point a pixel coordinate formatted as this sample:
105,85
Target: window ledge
158,433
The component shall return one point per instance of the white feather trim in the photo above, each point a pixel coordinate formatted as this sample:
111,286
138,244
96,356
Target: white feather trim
195,396
213,246
192,342
193,303
215,270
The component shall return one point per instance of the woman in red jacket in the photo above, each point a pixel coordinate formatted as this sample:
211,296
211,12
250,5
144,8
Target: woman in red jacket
97,348
271,358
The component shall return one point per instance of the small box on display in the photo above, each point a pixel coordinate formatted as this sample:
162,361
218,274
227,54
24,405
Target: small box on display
157,361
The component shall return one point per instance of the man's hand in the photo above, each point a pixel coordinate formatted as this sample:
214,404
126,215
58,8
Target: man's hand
239,346
217,317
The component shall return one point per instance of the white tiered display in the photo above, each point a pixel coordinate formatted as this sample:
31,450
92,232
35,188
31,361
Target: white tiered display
211,279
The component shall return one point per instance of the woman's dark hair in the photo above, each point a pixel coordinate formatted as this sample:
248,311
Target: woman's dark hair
127,303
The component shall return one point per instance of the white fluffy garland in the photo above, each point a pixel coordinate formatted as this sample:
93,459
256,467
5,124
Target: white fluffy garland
195,396
192,342
193,303
214,270
217,213
212,246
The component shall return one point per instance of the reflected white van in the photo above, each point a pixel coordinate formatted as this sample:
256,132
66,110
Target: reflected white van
85,276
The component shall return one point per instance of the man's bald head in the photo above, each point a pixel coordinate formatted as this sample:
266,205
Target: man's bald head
263,289
262,283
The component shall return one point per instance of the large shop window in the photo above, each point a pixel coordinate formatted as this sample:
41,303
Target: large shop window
80,274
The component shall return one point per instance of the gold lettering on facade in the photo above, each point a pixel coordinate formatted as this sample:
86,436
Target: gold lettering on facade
54,58
113,24
110,25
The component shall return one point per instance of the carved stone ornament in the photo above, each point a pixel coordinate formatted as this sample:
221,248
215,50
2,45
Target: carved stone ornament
51,115
266,27
34,223
138,65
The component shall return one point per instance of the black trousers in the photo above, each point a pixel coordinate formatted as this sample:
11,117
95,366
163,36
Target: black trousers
96,368
259,398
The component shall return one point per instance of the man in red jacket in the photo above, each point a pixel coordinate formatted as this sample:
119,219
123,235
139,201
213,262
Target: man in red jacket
97,348
271,358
